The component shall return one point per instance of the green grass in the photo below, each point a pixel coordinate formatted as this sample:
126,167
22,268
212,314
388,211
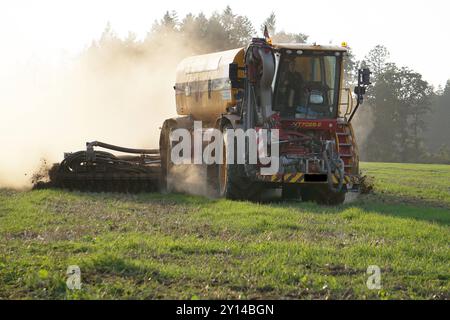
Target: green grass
154,246
412,183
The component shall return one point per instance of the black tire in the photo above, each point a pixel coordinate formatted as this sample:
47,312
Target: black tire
238,186
290,192
166,164
322,195
232,182
334,198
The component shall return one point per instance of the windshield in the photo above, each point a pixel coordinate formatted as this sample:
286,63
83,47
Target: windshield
307,85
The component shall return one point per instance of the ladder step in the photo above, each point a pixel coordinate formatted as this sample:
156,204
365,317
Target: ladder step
346,155
342,134
345,144
348,166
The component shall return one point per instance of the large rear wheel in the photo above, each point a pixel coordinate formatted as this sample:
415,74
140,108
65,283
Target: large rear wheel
231,179
166,163
321,194
290,192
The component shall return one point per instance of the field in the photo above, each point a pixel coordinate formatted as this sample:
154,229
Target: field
153,246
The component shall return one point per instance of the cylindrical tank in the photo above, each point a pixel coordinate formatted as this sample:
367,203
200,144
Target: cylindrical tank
203,88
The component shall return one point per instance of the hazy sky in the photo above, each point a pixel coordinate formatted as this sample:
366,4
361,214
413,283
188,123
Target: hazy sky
47,29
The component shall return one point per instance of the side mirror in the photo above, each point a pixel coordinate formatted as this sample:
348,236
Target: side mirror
233,76
233,71
364,77
363,82
360,89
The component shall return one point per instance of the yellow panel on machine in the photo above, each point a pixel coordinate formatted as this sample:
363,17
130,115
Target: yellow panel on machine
203,88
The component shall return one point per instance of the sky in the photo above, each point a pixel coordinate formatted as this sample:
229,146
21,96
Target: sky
51,30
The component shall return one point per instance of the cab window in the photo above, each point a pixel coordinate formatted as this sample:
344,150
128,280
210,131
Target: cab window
307,86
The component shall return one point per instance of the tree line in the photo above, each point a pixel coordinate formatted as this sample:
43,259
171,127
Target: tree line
409,118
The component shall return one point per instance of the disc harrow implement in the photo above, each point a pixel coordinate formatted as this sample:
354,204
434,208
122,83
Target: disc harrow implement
100,171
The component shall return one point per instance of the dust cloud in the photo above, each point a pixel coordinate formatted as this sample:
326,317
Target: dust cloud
189,179
363,124
108,95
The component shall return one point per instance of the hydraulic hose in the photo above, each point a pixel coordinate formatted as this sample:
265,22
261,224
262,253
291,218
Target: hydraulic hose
121,149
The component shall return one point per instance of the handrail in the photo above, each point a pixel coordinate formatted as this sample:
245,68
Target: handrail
348,103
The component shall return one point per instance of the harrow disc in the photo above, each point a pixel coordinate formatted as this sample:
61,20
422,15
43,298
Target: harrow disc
101,171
